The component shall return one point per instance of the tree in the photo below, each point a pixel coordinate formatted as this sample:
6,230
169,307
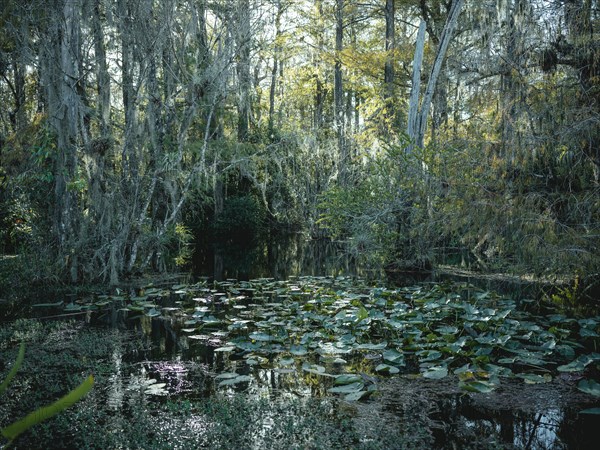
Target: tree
418,115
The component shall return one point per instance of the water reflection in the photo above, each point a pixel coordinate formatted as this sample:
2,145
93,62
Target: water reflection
278,258
177,367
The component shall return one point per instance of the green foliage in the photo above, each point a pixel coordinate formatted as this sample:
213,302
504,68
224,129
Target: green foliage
567,297
380,213
243,218
184,242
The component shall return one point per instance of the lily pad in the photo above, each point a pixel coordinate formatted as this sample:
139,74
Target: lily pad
355,396
347,388
298,350
347,379
236,380
262,337
226,349
436,372
393,356
589,387
386,368
371,346
315,369
532,378
483,387
576,366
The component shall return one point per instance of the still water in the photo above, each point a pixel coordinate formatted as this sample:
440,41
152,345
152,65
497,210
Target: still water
230,363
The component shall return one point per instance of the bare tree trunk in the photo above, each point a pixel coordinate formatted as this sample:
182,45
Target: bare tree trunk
440,106
18,116
390,45
418,121
63,101
510,88
128,91
102,75
320,94
415,91
338,93
243,38
274,70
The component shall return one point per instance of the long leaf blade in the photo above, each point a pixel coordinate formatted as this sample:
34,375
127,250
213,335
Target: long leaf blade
15,368
12,431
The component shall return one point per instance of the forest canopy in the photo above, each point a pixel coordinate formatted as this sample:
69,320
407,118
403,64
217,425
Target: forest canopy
412,130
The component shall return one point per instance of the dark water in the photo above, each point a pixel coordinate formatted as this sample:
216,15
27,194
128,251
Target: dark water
279,258
294,255
171,364
516,416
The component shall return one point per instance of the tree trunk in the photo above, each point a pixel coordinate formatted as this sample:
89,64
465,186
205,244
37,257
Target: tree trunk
102,75
418,120
338,94
415,91
320,91
390,45
510,87
243,38
274,70
62,75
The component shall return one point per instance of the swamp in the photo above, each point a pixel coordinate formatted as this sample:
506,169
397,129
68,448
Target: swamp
293,224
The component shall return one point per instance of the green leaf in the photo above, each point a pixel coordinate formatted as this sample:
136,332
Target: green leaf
586,332
432,355
262,337
477,386
226,375
355,396
386,368
589,387
153,312
48,305
156,389
236,380
347,379
532,378
436,373
347,388
226,349
393,356
371,346
576,366
595,411
15,368
286,361
362,314
73,307
15,429
316,369
447,330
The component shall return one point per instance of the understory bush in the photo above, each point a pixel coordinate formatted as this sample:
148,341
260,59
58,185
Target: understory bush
413,210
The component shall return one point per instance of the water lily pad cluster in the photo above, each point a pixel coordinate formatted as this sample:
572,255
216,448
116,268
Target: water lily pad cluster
348,334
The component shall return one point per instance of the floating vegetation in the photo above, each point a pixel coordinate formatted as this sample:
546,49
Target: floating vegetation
347,333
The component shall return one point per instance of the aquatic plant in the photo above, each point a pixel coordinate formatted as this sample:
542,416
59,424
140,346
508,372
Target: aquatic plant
338,330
